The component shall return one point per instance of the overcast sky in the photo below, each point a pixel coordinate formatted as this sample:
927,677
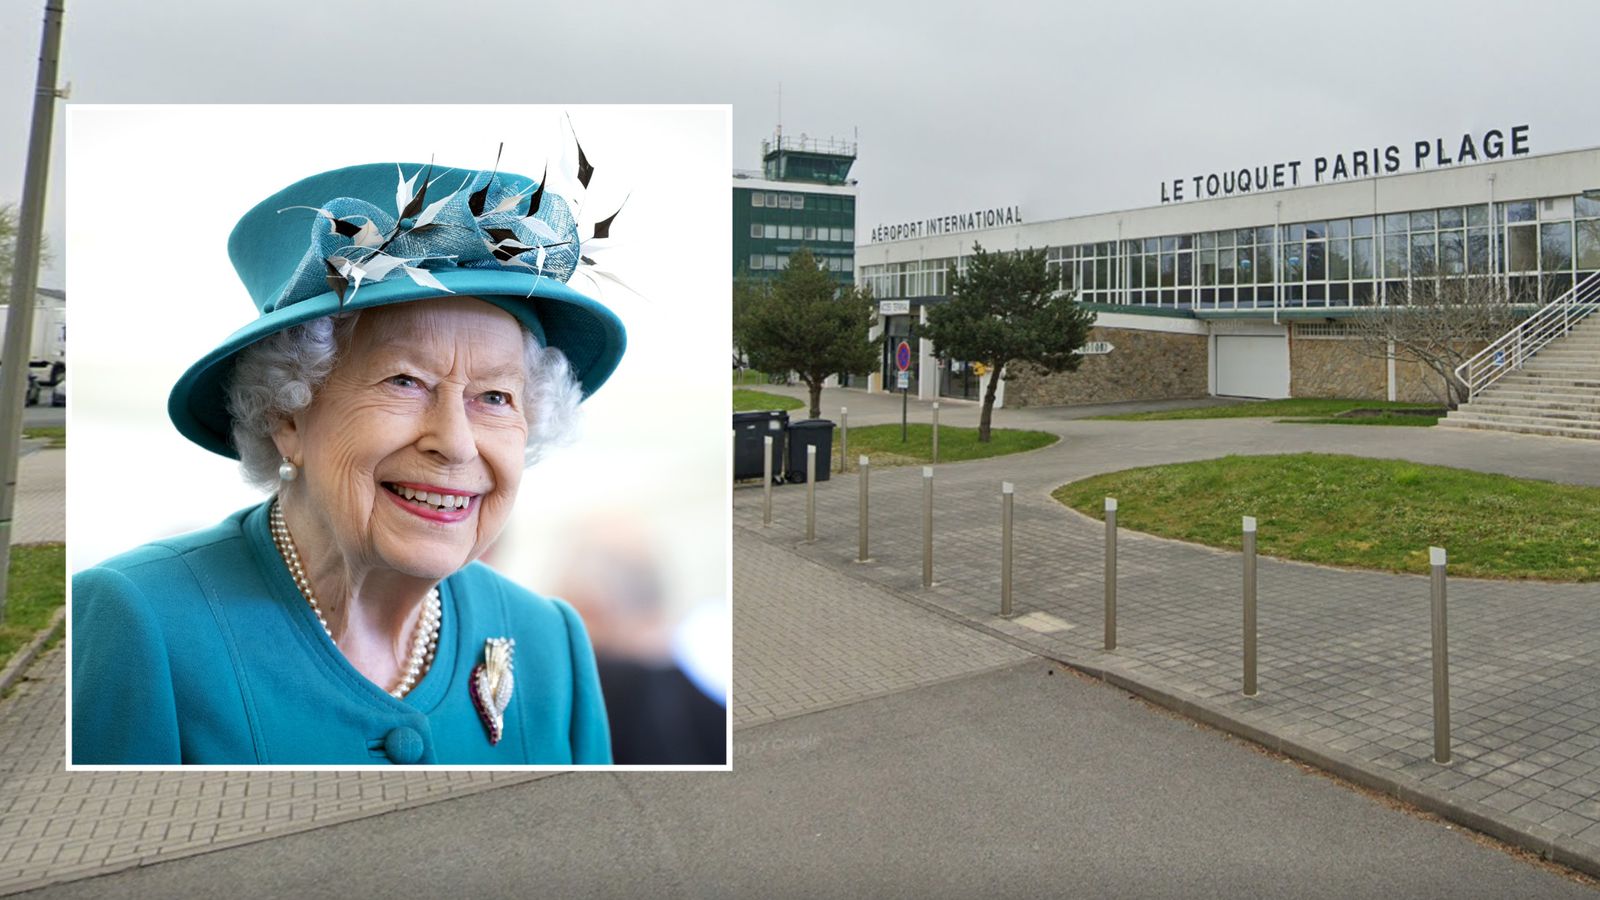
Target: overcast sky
1061,108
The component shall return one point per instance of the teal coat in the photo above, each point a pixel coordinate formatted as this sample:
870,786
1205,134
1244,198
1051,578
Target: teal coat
200,649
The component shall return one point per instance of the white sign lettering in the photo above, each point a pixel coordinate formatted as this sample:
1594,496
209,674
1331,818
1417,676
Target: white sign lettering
996,217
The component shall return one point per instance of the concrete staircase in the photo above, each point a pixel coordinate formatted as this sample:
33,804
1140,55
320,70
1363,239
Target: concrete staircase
1556,392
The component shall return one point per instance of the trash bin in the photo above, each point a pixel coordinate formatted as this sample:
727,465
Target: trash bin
809,433
749,428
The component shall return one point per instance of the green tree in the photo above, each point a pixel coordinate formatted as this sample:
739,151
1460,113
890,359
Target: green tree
746,291
805,322
1007,309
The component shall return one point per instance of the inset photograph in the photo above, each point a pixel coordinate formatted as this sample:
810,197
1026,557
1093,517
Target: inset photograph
401,436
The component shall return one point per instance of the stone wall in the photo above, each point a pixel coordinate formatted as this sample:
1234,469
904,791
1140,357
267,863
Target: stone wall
1158,365
1145,365
1416,383
1342,367
1322,367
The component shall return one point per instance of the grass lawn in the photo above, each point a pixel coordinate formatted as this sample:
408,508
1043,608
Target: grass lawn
1368,513
1312,407
57,435
882,443
749,376
1385,419
36,589
752,401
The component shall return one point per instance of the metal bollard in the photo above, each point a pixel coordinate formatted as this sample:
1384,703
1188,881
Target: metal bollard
1111,573
1006,496
844,439
766,480
811,493
936,432
1441,662
1250,606
861,553
927,526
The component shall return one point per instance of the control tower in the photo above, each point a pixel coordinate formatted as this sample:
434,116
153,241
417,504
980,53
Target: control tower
803,195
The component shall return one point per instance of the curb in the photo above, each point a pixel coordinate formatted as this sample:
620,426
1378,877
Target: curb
159,856
19,663
1534,838
1545,842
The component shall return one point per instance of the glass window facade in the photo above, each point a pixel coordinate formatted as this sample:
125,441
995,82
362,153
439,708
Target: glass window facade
923,278
1539,248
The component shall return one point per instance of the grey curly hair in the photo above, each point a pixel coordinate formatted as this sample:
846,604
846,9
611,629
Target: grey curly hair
279,376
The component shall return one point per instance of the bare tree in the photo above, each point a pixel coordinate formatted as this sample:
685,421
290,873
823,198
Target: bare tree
1440,322
8,242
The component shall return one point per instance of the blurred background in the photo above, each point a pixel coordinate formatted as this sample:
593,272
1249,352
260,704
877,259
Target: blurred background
630,522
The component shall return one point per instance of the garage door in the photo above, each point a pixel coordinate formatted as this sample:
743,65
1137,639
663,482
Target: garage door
1253,366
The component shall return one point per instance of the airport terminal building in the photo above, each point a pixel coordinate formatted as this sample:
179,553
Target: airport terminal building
1242,283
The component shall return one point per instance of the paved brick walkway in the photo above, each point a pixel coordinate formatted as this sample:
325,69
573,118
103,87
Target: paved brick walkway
1345,665
57,826
1344,655
807,638
41,498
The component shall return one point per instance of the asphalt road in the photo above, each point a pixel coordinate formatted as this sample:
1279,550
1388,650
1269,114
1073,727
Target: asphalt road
37,416
1015,782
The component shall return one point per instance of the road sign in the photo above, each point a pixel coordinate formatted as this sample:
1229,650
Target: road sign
902,356
903,383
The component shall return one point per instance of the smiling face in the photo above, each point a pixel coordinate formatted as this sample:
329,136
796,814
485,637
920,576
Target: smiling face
412,450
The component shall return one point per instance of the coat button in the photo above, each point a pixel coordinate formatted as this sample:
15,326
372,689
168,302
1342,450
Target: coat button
403,745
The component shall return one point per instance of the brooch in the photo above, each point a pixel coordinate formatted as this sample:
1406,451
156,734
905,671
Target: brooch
491,685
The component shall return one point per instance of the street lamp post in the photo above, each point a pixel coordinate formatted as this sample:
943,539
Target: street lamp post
25,281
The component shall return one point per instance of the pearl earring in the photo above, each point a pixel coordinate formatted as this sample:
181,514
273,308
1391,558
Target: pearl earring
287,471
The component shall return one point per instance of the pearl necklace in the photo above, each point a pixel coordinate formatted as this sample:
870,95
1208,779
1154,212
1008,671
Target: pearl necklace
423,645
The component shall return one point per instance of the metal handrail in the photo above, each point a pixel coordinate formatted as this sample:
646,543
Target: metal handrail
807,144
1511,350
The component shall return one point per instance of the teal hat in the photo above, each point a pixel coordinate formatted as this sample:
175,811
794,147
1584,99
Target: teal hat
373,235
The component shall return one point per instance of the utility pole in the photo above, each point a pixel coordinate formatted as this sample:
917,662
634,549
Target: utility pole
25,281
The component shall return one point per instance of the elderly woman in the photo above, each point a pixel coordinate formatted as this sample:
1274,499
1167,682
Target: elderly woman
405,368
